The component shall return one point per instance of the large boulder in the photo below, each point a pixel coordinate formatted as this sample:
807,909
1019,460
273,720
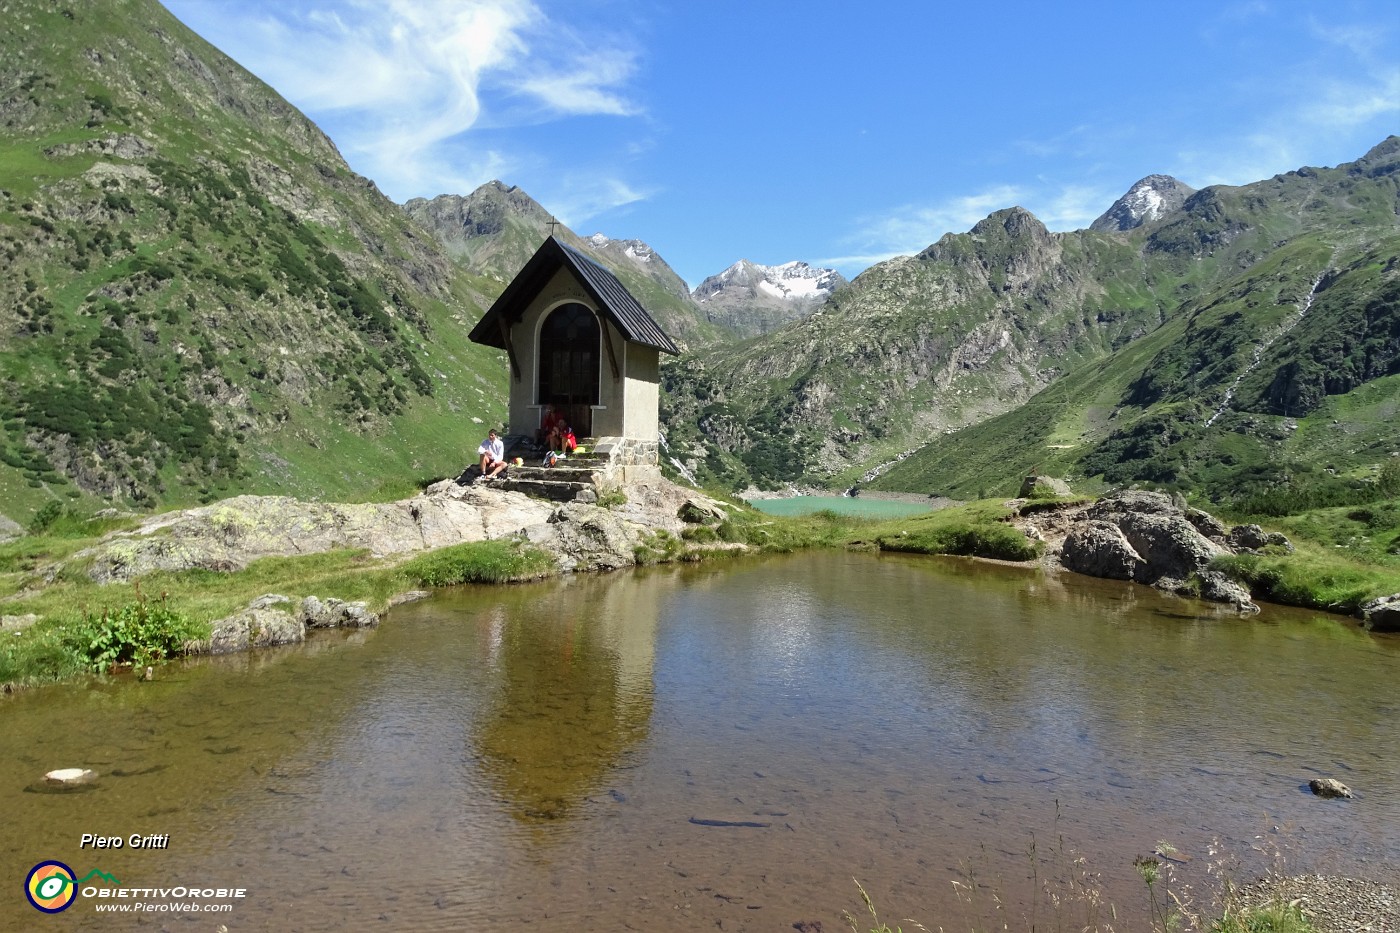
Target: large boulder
1382,614
700,510
584,538
1169,545
251,628
1149,538
9,529
1099,549
1043,487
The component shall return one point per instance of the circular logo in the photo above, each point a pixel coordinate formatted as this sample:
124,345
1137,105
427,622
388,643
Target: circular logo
50,887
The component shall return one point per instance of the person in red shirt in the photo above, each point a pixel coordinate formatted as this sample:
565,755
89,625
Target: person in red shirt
549,432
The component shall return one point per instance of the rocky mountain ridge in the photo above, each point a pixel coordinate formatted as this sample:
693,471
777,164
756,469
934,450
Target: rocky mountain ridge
920,349
751,299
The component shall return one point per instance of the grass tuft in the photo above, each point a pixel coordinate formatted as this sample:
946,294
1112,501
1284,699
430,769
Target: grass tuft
501,561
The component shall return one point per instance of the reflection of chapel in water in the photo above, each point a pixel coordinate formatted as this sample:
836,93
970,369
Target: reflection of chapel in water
573,690
577,339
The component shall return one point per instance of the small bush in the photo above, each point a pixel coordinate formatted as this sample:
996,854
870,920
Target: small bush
44,519
612,498
497,561
137,633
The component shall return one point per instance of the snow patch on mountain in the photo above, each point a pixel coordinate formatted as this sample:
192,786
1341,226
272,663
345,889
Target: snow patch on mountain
791,281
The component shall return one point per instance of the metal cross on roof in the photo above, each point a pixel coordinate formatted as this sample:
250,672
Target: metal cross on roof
552,224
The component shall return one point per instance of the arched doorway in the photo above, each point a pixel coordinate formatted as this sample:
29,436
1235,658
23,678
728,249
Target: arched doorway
569,358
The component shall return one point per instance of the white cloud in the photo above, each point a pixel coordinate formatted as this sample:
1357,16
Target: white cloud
581,198
398,82
910,228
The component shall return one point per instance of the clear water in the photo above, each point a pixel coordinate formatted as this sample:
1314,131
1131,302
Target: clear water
859,506
564,755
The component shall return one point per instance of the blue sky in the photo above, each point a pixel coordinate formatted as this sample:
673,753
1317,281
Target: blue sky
839,133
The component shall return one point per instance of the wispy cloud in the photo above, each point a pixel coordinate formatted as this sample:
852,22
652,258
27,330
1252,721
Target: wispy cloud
401,81
581,198
910,228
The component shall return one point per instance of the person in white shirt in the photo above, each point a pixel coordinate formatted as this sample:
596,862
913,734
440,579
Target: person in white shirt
493,455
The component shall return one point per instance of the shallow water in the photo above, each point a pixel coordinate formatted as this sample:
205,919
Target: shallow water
860,506
564,755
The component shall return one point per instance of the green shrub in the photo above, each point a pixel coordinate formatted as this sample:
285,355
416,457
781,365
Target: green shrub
43,519
137,633
994,540
497,561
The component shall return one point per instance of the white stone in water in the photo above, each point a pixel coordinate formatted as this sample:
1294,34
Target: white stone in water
71,776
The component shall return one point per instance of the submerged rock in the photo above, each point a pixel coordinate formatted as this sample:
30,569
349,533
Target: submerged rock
71,776
1329,788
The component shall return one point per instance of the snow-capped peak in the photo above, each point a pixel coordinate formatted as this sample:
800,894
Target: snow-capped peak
791,281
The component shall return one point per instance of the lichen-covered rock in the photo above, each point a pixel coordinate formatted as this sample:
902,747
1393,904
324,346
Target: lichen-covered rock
251,628
1381,614
269,600
587,538
336,613
1099,549
1132,500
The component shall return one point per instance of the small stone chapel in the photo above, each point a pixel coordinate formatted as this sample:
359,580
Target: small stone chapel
576,339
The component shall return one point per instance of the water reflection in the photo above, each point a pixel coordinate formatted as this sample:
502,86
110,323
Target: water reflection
572,690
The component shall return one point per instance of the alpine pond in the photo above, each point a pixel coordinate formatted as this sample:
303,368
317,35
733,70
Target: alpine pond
722,747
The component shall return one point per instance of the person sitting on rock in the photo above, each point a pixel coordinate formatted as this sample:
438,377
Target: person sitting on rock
493,455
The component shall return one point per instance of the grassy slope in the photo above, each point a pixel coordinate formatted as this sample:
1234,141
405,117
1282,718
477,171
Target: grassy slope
247,313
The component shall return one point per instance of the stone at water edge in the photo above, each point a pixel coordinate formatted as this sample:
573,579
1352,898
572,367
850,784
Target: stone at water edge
71,776
1329,788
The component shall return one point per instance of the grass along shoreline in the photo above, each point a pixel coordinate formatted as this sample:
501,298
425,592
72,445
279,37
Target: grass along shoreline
82,627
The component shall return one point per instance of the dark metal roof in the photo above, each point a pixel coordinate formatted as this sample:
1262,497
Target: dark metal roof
615,301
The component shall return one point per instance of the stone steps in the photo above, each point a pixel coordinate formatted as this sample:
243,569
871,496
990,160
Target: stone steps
560,483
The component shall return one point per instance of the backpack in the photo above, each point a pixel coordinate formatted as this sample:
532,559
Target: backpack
550,459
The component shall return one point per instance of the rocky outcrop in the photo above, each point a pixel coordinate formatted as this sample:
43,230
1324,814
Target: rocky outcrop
229,535
9,529
1147,538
